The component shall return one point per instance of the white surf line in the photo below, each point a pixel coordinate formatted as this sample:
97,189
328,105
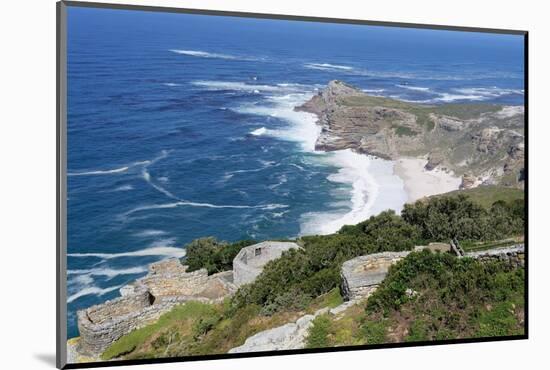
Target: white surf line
108,272
183,203
100,172
155,251
93,290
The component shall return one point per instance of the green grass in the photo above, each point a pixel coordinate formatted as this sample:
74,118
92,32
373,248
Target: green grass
465,111
375,332
487,195
404,131
191,311
330,299
318,333
471,246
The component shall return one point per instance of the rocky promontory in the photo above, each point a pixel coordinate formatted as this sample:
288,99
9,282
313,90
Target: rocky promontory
483,143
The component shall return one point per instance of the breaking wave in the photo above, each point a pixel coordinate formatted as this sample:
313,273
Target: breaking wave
204,205
100,172
205,54
93,290
108,272
155,251
328,67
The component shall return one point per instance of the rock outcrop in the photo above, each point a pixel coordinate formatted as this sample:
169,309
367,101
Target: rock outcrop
145,300
167,284
362,275
484,141
249,263
287,336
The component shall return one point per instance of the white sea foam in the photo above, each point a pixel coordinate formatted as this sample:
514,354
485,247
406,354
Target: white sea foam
99,172
124,188
302,126
361,175
93,290
171,84
328,67
166,242
375,91
259,131
86,274
489,92
197,204
149,233
414,88
205,54
252,88
155,251
374,188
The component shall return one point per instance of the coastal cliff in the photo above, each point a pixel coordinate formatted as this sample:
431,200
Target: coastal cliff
482,143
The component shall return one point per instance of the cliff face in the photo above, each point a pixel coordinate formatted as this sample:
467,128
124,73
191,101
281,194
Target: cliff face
484,143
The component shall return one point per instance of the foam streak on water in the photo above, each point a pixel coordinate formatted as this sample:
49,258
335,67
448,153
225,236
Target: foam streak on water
362,176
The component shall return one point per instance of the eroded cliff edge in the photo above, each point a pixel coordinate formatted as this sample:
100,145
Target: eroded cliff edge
483,143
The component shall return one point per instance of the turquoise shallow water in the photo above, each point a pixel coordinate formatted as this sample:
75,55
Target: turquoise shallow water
182,126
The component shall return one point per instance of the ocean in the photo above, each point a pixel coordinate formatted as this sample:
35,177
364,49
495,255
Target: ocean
182,126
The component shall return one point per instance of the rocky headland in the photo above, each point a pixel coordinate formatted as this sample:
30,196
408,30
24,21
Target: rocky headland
481,143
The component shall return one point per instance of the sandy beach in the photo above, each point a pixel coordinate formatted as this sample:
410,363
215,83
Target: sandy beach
420,183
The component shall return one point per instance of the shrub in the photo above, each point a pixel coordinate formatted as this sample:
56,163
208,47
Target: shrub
211,254
318,333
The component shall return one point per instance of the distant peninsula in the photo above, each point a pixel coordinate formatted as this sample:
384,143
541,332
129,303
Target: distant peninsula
481,143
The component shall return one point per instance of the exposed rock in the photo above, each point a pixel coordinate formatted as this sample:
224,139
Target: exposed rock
288,336
449,123
434,160
249,263
142,302
434,247
515,255
362,275
468,181
462,141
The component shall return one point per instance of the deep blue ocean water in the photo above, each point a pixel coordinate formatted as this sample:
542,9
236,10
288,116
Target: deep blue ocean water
181,126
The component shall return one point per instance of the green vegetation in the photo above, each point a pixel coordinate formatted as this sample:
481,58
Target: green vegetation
404,131
318,333
443,218
453,298
422,112
431,296
487,195
167,330
213,255
300,275
425,296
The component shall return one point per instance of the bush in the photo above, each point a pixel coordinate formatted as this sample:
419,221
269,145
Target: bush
318,333
211,254
444,218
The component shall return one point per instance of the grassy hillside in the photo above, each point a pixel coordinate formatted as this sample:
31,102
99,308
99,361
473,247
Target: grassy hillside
447,297
431,296
487,195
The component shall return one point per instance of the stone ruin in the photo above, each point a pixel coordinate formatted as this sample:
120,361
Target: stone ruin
145,300
250,261
362,275
166,285
515,255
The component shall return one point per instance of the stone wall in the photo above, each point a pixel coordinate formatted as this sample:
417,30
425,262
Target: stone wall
249,263
515,255
142,302
362,275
